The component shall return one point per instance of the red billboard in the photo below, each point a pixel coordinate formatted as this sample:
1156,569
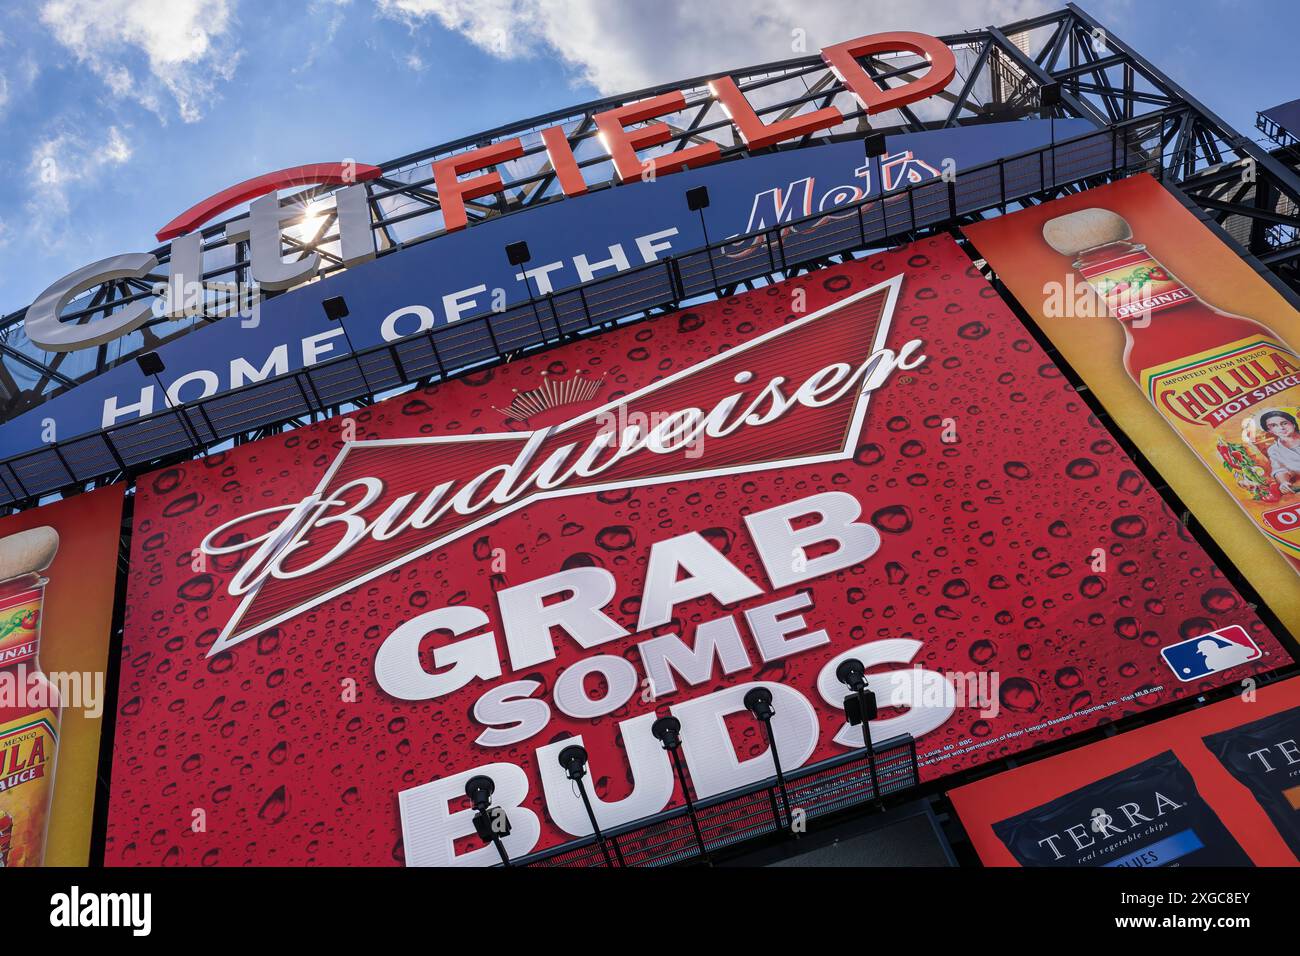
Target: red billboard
329,631
1217,786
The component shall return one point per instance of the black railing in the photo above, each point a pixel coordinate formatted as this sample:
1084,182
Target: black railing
1275,131
452,349
744,814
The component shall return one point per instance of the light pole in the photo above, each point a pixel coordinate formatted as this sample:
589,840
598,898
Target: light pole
573,759
336,310
668,731
758,701
151,364
697,200
491,824
1049,98
875,146
518,254
860,708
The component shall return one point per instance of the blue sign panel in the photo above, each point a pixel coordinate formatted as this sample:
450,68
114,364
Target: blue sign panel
455,276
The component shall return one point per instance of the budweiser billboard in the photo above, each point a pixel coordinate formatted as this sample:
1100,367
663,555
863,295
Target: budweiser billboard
328,632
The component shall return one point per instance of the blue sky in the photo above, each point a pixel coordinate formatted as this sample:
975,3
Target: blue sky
115,115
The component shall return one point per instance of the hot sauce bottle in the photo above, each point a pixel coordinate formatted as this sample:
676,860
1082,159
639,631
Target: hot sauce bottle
29,708
1230,386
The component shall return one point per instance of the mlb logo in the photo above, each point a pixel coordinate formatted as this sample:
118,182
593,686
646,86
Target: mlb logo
1216,651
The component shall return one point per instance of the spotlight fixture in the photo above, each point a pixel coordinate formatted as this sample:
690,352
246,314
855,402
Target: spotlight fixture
851,673
336,308
860,708
479,789
697,198
668,731
758,701
490,823
150,363
573,759
517,253
875,148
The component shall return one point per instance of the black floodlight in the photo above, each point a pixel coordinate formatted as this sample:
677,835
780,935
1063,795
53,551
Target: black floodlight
336,309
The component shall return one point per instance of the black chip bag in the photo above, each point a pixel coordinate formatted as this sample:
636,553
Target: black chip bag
1148,815
1265,757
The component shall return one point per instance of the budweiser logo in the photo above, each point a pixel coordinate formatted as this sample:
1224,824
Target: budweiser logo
551,394
794,396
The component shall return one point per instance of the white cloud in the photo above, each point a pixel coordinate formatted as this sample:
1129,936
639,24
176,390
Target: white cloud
619,47
17,73
186,47
4,82
328,16
59,163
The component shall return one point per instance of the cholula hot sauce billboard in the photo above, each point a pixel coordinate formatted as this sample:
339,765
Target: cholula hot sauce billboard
58,577
330,631
1230,386
1188,349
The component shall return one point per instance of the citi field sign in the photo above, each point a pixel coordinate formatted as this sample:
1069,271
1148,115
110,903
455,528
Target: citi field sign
464,272
327,632
464,176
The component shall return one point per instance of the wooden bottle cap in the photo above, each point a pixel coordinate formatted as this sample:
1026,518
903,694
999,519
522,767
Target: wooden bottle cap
27,552
1086,229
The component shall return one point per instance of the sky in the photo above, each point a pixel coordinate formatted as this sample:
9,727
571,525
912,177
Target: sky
115,115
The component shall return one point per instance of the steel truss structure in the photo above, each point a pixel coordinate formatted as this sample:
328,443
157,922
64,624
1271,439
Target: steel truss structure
1062,64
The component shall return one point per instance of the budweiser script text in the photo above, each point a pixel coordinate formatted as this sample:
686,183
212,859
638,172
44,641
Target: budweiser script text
607,450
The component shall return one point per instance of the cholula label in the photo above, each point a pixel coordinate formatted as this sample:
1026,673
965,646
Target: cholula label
27,749
1215,400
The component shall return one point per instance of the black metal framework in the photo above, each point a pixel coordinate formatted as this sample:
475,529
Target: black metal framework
745,814
1144,122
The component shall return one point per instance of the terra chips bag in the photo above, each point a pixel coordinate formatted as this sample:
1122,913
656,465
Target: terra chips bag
1265,757
1148,815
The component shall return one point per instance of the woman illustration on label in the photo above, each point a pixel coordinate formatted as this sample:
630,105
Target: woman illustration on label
1284,453
6,837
